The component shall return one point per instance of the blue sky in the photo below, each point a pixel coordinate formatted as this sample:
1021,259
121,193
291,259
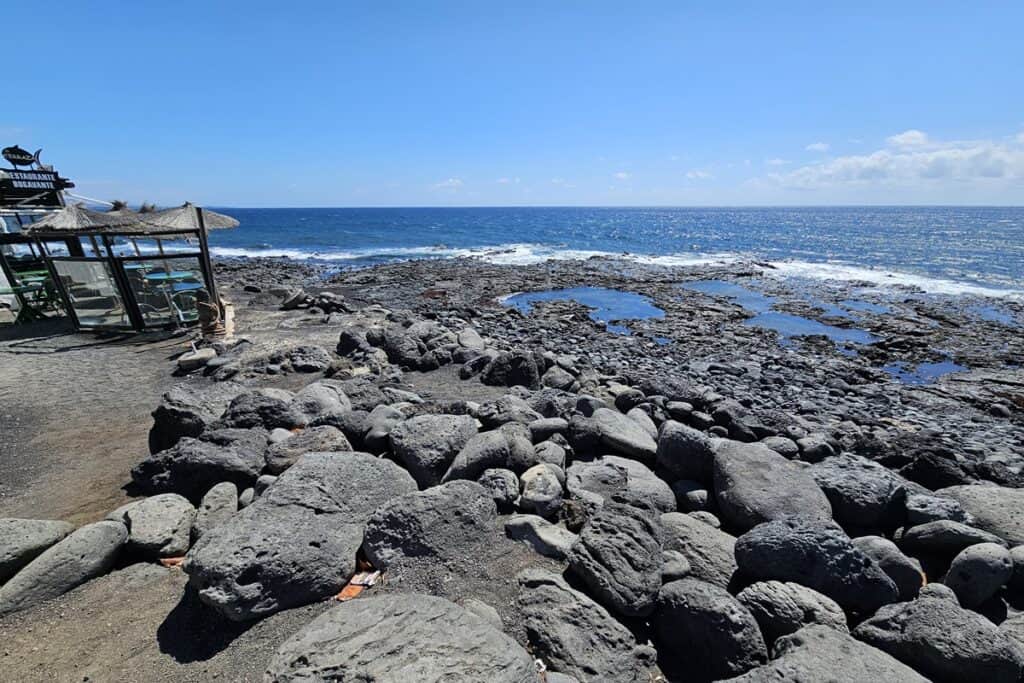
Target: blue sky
490,103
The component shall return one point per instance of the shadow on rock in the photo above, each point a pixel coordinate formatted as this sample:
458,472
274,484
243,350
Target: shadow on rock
193,632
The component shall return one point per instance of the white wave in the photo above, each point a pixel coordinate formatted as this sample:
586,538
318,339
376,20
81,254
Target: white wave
522,253
887,278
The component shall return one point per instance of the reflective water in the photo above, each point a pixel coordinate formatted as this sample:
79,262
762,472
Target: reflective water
922,373
788,325
606,305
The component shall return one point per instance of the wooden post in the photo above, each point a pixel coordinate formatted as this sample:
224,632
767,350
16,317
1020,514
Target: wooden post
204,248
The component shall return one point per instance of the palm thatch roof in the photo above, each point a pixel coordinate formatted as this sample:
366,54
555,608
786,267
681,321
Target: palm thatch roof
78,220
186,217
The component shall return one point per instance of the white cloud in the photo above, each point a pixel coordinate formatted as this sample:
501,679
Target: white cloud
622,175
914,159
817,147
697,174
777,162
449,184
908,139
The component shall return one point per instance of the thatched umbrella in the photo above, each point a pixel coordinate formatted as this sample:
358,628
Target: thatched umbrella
77,220
189,217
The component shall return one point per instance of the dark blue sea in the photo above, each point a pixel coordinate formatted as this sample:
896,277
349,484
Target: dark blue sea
944,250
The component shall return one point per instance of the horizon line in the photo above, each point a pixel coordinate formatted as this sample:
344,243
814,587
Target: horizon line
633,206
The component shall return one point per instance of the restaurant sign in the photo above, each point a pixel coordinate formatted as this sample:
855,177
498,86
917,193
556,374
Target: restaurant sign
30,188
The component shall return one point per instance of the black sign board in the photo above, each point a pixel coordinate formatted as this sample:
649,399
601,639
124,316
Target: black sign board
31,189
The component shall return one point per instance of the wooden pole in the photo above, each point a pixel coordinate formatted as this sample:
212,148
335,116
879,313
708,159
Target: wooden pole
204,248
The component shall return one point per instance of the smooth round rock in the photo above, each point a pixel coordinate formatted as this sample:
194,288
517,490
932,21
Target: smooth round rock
978,572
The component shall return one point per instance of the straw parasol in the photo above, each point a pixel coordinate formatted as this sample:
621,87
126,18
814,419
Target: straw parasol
77,220
189,217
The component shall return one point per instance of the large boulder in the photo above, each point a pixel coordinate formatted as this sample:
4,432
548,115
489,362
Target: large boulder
783,607
817,555
160,526
403,637
263,408
508,447
944,642
709,632
863,493
996,509
323,439
576,636
193,465
188,411
297,542
610,476
685,452
978,572
23,540
86,553
541,491
623,436
754,484
906,572
515,368
445,522
427,444
821,653
710,552
619,557
945,538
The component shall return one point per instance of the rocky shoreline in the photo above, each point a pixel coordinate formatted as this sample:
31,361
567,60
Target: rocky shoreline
532,494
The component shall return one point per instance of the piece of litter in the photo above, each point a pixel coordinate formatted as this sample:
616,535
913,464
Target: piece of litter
172,562
357,584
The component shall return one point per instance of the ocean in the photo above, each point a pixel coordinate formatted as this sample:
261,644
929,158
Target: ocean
943,250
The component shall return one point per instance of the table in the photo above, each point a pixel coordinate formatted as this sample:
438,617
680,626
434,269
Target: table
173,275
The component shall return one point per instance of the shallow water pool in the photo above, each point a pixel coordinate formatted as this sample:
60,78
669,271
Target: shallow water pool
605,304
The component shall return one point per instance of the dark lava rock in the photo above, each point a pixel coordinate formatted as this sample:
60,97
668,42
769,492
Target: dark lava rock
943,641
297,542
709,632
781,608
709,552
427,444
404,637
685,452
995,509
820,653
754,484
863,493
576,636
618,556
817,555
905,571
443,522
324,439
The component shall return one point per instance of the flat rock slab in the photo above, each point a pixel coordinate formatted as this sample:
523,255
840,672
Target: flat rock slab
619,557
944,642
996,509
85,554
297,542
544,537
445,522
576,636
23,540
408,637
818,555
623,435
754,484
819,653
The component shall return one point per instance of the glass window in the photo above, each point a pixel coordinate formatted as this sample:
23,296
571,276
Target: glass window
165,288
93,292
